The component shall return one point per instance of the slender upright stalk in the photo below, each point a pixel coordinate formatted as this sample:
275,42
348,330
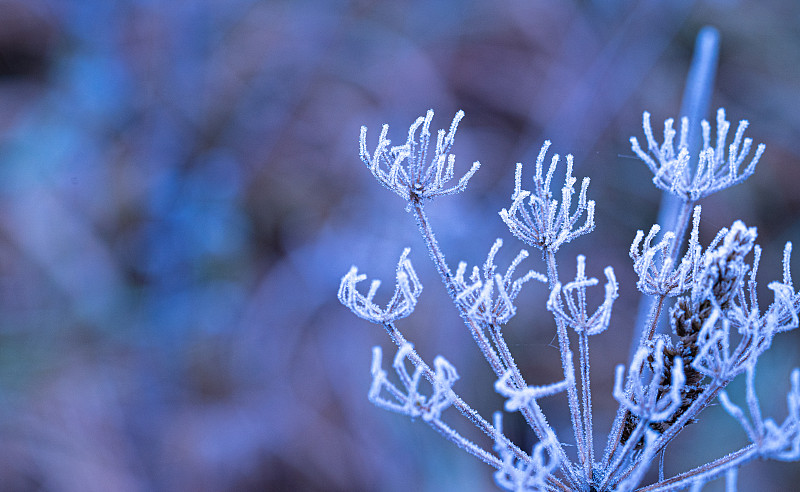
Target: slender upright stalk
534,416
675,211
568,368
586,389
695,104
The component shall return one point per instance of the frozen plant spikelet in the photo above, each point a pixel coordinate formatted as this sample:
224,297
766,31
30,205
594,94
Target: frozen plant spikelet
778,442
714,171
543,223
476,295
653,264
407,291
404,168
713,356
724,266
574,295
521,475
410,401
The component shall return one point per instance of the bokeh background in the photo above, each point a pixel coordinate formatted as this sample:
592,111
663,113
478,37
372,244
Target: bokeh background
180,193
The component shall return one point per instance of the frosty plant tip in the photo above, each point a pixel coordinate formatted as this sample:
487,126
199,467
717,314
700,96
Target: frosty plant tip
543,223
714,169
717,328
405,170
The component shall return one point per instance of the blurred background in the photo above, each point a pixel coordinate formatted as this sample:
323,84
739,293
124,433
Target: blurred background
180,193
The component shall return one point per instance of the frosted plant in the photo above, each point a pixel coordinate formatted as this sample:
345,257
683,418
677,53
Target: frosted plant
654,265
717,327
714,172
476,295
407,291
543,223
403,168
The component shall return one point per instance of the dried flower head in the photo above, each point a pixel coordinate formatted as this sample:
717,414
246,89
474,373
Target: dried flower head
692,177
405,170
543,223
407,291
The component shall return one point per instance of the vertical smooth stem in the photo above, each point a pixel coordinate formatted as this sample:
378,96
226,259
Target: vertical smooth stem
695,104
674,211
700,83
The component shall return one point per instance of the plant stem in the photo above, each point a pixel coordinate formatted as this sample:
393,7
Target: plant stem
583,341
447,277
535,417
458,403
674,211
706,472
568,368
695,104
